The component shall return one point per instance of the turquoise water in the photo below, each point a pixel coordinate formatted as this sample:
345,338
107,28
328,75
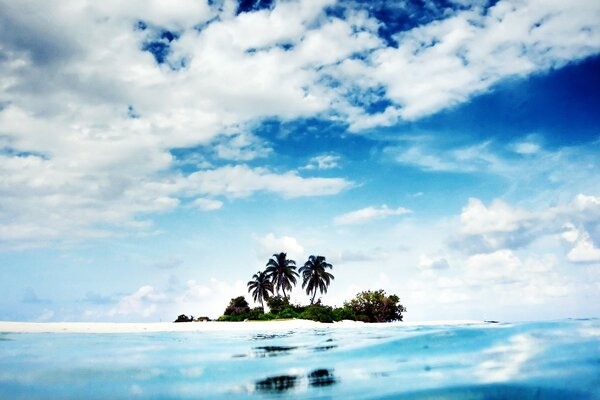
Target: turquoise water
548,360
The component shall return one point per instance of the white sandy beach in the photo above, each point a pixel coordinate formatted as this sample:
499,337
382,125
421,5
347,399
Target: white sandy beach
113,327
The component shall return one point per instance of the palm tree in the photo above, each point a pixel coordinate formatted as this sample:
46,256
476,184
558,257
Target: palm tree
260,285
315,277
282,272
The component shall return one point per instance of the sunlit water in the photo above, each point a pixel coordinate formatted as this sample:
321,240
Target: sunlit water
549,360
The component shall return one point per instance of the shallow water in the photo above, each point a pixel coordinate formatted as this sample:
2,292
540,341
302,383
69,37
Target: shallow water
543,360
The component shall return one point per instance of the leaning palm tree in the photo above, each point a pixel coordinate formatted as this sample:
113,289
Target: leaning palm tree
315,277
282,272
261,288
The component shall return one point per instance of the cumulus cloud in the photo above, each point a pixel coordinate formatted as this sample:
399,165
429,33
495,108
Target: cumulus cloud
124,85
535,277
498,226
500,266
476,218
207,297
142,303
447,61
242,181
241,147
583,248
324,161
483,282
271,244
208,204
427,263
368,214
526,148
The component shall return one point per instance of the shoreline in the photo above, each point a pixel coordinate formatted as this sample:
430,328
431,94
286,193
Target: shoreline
212,326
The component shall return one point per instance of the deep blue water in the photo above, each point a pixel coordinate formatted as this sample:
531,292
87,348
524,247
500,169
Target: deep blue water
542,360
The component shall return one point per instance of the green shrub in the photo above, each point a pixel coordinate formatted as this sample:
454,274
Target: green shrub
237,306
343,313
289,312
318,313
376,307
277,304
267,316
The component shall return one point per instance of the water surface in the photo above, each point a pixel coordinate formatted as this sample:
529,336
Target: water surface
543,360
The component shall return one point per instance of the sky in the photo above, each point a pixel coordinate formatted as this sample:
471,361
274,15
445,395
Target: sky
154,154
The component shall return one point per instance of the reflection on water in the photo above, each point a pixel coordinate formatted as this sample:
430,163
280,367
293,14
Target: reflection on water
281,383
270,336
546,360
324,348
277,383
272,351
321,377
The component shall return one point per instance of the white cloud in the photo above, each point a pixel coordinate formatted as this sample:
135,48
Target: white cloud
478,219
583,248
500,266
503,226
474,158
179,15
324,161
447,61
368,214
208,204
427,263
271,244
77,160
526,148
242,181
503,271
241,147
208,297
141,304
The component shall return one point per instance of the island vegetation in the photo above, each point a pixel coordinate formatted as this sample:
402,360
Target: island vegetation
274,285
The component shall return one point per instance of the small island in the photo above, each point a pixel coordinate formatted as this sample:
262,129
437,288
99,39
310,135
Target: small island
274,285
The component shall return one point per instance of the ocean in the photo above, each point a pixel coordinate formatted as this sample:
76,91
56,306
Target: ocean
537,360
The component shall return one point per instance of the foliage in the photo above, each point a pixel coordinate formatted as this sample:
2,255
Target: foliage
318,313
375,306
289,312
277,304
237,306
184,318
343,313
369,306
315,277
282,272
253,314
261,287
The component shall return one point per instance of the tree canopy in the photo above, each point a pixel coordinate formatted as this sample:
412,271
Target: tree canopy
315,277
375,306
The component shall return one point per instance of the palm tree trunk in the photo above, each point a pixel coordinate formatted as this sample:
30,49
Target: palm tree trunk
313,298
262,303
284,296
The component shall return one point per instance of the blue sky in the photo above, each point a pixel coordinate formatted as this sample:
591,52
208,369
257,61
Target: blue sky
155,154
